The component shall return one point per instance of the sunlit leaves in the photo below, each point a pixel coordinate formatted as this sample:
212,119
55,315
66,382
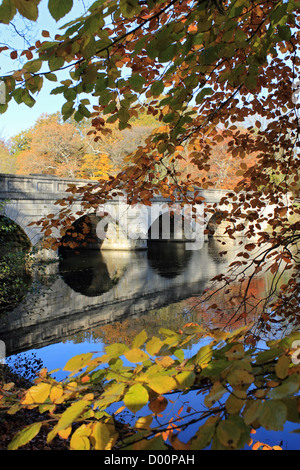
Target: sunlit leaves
136,355
240,392
78,362
37,394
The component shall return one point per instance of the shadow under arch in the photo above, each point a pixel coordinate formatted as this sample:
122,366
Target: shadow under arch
15,275
168,259
81,235
166,245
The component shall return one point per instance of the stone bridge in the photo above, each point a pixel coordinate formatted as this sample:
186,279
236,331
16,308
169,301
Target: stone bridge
118,226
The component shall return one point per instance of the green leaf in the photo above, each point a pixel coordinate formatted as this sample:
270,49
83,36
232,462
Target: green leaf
185,379
3,108
55,63
288,388
67,110
239,377
268,356
282,367
217,391
229,433
59,8
204,92
284,32
204,355
24,436
137,82
84,111
235,402
51,76
28,9
116,350
154,444
112,394
136,397
124,115
204,434
7,11
157,88
273,415
28,99
161,384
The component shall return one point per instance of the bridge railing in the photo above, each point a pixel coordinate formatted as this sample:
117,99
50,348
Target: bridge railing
16,186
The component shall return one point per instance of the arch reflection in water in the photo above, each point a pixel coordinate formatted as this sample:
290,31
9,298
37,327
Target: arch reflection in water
168,258
90,272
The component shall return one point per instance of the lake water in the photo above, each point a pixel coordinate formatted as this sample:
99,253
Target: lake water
92,299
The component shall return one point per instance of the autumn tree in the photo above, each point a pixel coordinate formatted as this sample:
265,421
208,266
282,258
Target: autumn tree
222,170
95,166
50,147
7,161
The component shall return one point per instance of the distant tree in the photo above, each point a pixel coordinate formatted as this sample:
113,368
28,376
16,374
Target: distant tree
95,166
7,161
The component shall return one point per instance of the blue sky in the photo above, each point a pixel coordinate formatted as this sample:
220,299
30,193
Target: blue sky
20,117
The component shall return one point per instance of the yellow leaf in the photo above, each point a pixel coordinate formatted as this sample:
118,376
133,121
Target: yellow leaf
56,392
64,433
144,422
165,361
162,384
78,362
79,442
103,436
136,355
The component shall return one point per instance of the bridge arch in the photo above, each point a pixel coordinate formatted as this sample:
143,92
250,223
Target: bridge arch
81,235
